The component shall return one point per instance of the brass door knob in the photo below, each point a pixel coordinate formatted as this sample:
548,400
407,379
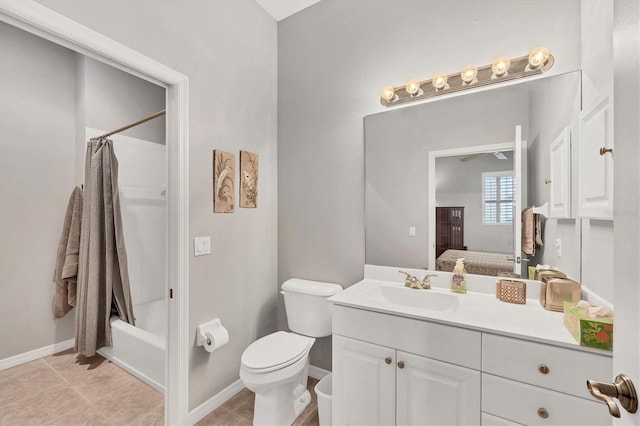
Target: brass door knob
400,364
543,369
388,360
604,150
622,389
542,412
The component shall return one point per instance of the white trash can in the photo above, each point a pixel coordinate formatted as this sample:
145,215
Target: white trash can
323,390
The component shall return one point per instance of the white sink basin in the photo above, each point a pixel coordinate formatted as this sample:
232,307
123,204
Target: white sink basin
409,297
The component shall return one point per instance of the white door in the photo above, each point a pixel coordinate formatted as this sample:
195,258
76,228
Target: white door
519,171
431,392
364,377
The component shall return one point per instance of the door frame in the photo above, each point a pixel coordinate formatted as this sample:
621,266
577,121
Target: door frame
431,185
49,25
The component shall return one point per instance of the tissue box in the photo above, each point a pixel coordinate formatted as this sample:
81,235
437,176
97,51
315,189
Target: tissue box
593,332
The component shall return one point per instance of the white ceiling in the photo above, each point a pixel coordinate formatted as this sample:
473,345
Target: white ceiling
280,9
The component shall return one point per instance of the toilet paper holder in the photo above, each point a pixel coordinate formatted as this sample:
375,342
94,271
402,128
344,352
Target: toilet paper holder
201,338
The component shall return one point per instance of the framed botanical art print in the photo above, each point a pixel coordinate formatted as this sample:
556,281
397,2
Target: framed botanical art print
224,174
249,165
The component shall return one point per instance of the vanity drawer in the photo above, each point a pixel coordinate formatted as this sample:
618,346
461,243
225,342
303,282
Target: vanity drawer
531,405
552,367
440,342
489,420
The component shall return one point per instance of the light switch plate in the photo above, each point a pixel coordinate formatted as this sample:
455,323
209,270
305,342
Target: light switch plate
412,231
201,246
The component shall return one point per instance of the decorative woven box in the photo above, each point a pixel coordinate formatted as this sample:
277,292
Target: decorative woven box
595,332
511,291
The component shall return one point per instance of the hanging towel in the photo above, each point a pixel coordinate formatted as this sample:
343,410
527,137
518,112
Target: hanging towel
65,276
537,225
103,278
528,233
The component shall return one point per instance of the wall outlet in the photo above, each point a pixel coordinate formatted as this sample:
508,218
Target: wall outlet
412,231
201,246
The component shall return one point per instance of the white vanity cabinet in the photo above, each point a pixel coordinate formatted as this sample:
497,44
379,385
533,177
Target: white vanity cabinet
595,159
389,369
532,383
393,370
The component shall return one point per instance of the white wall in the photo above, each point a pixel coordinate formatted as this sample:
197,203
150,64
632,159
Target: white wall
228,49
37,154
334,58
553,106
597,72
460,184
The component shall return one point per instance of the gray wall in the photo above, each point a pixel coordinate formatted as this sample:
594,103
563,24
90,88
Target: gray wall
554,105
228,49
459,183
114,98
37,154
333,60
398,143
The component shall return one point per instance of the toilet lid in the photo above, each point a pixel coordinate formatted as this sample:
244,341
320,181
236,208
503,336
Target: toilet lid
276,351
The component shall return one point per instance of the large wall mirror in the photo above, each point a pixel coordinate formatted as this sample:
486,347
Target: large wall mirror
455,160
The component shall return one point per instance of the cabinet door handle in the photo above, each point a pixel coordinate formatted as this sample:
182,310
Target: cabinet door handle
388,360
604,150
542,368
547,181
400,364
542,412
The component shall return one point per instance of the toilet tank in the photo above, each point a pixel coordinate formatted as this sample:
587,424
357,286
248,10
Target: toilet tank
308,311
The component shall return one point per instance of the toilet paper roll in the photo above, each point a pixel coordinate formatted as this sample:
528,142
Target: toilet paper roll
215,338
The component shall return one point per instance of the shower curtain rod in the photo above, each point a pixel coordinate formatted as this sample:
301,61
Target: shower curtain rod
134,124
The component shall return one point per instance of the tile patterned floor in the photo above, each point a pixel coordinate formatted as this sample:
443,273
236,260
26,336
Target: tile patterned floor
238,411
61,390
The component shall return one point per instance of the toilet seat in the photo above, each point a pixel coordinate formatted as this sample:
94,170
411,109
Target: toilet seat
275,351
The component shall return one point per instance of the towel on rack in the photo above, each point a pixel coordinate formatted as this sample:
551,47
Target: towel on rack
66,273
531,231
537,228
528,243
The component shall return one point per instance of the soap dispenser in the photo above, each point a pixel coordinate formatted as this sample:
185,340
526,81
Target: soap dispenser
459,277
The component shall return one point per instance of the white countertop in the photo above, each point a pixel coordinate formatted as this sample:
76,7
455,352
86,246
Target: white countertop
478,309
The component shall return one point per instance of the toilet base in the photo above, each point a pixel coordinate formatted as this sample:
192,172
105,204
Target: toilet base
280,406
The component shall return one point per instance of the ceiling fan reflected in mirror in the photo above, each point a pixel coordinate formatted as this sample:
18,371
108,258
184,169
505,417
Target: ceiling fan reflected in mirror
498,154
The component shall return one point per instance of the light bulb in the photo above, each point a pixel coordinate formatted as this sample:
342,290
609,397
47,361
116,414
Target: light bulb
469,74
439,81
500,66
538,57
388,93
412,87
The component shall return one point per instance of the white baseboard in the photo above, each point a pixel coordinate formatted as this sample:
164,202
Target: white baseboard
12,361
202,410
317,372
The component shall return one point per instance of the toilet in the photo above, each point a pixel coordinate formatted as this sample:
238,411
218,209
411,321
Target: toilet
275,367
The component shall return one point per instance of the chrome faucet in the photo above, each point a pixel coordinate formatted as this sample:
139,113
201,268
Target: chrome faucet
412,282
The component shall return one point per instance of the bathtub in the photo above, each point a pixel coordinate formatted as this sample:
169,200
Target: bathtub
140,350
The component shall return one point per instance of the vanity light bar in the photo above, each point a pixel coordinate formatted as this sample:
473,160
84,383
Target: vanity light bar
502,69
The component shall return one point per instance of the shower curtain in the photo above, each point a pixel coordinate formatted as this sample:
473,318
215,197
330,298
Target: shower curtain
103,277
